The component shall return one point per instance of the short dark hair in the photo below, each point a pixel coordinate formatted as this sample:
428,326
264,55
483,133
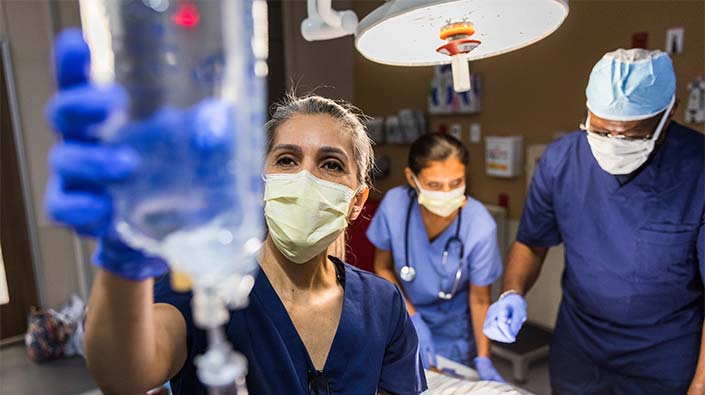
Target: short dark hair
435,147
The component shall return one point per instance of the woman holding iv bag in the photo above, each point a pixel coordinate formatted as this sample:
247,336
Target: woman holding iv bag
314,325
440,247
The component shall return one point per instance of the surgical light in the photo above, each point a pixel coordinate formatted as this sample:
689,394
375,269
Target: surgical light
434,32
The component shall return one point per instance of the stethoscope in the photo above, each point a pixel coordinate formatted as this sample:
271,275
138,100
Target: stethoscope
408,273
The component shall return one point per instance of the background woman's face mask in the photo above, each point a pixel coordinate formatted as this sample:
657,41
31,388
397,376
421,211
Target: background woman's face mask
304,214
440,203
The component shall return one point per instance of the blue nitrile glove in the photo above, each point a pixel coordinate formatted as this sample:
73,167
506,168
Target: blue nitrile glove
426,349
505,318
486,370
193,144
82,168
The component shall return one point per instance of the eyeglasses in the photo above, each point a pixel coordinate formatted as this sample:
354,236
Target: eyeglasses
318,383
640,133
628,136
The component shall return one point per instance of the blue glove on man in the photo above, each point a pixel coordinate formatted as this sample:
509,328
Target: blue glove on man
84,169
505,318
426,348
486,370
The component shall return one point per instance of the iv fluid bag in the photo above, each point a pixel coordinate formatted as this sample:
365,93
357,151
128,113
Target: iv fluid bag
194,73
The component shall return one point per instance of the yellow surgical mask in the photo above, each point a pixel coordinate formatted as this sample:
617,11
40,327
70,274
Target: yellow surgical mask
440,203
304,214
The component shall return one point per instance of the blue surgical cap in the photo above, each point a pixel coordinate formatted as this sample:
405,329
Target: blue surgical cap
631,84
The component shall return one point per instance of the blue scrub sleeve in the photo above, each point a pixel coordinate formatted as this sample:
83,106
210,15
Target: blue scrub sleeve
484,260
538,227
181,300
402,371
378,231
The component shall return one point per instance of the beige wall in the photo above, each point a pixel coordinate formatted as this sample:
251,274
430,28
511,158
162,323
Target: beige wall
323,66
28,27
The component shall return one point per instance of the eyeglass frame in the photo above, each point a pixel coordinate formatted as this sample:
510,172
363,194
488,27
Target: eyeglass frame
618,136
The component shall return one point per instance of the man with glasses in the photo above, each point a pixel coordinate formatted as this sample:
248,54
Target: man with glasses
626,195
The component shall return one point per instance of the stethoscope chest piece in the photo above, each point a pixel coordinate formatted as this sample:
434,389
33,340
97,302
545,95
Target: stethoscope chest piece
407,273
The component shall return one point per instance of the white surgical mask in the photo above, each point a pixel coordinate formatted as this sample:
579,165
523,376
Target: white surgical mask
304,214
441,203
619,156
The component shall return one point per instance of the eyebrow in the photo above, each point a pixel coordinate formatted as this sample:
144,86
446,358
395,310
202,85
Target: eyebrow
450,181
332,150
288,147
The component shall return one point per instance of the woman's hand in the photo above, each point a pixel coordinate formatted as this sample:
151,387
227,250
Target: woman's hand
486,370
82,168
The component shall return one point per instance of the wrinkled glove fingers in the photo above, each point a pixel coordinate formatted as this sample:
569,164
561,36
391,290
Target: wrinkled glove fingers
517,321
77,113
501,322
213,123
72,59
89,166
87,213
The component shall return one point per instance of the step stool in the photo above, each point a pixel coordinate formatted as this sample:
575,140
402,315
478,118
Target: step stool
532,345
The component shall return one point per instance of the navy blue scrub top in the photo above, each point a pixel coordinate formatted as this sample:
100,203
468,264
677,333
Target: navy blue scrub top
375,346
634,252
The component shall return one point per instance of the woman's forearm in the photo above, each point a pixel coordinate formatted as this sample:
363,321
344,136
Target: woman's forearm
391,277
480,299
120,341
384,267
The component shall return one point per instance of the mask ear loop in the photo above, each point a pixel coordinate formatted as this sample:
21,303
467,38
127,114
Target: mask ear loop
664,117
418,184
357,209
659,128
586,126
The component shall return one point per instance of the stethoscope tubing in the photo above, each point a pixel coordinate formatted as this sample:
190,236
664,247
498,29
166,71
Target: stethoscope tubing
408,273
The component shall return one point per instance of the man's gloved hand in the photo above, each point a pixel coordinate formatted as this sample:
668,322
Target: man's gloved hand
82,168
505,318
426,348
486,370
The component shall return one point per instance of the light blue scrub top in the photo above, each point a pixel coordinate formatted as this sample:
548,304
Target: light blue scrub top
448,320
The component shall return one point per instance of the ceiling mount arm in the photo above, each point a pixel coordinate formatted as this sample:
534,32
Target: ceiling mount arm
324,23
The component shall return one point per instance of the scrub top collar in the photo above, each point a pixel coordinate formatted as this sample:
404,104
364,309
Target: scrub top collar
267,296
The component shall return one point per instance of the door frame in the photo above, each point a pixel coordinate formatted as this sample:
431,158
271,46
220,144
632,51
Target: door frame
30,212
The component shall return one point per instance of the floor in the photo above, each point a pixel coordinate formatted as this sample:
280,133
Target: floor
20,376
538,382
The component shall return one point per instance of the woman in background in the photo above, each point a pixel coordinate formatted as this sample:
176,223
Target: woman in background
440,247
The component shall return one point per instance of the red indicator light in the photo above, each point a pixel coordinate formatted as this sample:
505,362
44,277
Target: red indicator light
187,15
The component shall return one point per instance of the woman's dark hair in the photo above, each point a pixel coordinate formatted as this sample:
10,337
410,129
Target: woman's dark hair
435,147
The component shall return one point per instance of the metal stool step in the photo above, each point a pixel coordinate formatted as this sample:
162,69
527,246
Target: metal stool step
532,345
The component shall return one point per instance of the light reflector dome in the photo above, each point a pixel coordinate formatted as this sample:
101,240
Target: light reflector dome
407,32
